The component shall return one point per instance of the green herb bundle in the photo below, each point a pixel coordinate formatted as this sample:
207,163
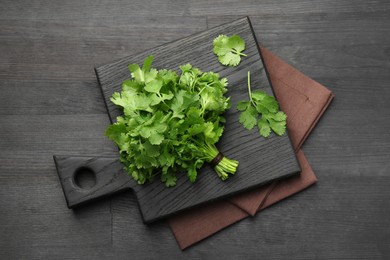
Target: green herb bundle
170,123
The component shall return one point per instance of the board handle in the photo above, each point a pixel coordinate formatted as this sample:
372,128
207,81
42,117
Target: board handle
104,176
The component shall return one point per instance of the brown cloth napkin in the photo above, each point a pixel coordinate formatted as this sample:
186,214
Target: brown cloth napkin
304,101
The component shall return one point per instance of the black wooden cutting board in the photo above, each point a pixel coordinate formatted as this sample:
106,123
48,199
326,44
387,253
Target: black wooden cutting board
261,159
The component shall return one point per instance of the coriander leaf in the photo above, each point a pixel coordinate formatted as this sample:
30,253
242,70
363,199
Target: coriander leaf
116,98
181,102
248,118
156,99
209,133
169,179
156,138
187,80
279,116
229,59
194,116
168,76
114,132
130,85
186,67
154,86
147,131
192,173
243,105
221,45
144,75
137,175
278,127
136,72
154,128
166,159
197,129
132,104
224,82
151,150
237,43
229,49
210,100
258,95
270,104
264,127
145,162
151,75
192,169
218,130
147,63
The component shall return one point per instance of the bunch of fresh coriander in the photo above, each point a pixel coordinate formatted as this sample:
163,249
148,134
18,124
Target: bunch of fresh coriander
170,123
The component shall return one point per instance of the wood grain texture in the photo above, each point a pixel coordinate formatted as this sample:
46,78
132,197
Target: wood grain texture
342,44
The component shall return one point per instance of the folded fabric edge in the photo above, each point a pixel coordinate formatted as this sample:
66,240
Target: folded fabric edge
316,120
291,186
250,201
253,200
199,223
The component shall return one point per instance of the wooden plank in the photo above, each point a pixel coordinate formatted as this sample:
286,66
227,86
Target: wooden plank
50,97
105,10
297,7
69,49
34,219
339,224
33,214
81,42
47,134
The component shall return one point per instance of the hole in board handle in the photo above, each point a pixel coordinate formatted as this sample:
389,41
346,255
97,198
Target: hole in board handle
84,178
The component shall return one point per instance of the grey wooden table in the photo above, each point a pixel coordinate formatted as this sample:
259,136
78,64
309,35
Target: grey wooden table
50,104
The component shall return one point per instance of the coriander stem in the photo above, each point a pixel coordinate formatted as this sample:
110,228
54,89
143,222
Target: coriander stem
165,104
238,53
249,86
160,96
201,90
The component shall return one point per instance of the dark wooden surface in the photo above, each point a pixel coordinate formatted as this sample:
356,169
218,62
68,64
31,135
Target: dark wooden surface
274,155
50,103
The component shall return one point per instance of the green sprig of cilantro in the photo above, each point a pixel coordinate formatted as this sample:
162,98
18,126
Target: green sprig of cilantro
263,105
170,123
229,49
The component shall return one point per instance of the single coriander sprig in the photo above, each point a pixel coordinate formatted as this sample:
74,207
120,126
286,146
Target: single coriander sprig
262,105
229,49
